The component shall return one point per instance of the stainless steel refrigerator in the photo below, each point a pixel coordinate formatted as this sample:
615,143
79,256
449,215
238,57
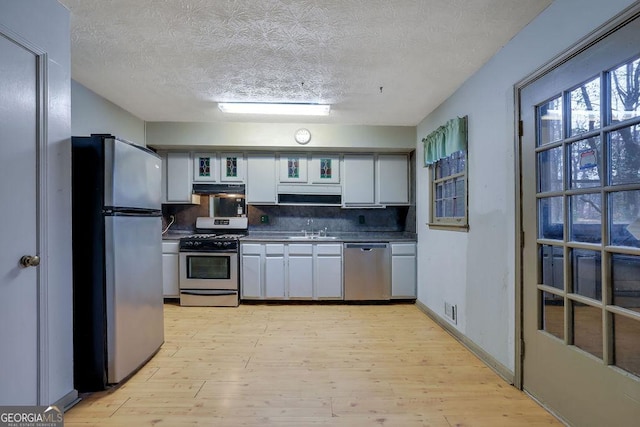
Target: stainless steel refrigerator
117,259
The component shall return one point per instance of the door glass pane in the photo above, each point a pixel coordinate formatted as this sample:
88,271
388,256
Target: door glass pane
585,107
624,226
552,260
585,273
550,121
625,92
586,218
587,328
550,168
624,147
625,277
585,163
551,217
626,343
553,314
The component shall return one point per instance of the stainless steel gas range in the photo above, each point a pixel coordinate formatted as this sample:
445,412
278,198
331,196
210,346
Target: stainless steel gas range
209,265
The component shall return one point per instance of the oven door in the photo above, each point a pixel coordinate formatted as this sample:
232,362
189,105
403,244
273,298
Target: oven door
209,270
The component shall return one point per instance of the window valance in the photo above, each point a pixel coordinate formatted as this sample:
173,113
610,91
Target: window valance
446,140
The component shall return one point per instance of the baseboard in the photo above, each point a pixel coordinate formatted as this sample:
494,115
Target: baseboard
67,401
504,372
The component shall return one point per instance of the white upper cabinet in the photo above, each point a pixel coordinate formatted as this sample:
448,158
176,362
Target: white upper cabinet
205,167
392,179
359,180
231,167
324,169
293,168
178,178
261,179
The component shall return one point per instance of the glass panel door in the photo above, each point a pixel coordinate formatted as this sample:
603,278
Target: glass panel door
581,222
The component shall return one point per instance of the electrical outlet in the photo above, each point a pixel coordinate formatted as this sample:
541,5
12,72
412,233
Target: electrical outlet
264,219
451,312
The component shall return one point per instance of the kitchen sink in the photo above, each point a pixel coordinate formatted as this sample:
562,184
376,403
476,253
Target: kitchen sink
311,237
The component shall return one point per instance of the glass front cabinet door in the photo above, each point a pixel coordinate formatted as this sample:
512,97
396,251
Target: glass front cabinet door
231,167
324,169
205,167
293,168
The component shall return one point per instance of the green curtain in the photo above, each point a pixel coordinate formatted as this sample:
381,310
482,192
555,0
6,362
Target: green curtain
445,140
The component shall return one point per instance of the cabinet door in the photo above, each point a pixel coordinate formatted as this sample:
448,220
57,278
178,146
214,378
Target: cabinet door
329,277
205,167
324,169
300,271
403,270
300,276
178,178
170,276
274,274
392,179
231,167
251,277
261,179
293,168
359,184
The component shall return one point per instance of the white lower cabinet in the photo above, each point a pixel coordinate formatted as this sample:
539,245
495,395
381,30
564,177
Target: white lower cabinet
170,272
274,272
252,256
328,271
300,271
403,270
293,271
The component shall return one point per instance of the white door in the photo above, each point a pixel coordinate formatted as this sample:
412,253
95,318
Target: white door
18,228
581,223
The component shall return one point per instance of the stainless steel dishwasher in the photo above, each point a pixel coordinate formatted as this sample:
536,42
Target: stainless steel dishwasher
367,271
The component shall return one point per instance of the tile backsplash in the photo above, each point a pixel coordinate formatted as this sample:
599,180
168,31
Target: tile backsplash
335,219
295,218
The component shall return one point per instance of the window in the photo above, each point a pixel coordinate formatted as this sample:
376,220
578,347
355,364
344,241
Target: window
446,156
449,191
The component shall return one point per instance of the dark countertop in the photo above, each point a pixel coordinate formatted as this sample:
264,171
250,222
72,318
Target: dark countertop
340,237
176,235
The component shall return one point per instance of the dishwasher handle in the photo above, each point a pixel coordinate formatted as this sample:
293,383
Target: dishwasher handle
366,247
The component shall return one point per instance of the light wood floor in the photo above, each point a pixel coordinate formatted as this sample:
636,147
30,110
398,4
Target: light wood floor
309,365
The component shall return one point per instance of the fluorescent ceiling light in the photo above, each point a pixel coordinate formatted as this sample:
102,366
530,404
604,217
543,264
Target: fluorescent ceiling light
267,108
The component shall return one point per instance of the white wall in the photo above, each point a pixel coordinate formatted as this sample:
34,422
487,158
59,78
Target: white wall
476,270
257,136
46,27
91,113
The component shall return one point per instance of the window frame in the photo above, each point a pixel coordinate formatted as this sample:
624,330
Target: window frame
449,223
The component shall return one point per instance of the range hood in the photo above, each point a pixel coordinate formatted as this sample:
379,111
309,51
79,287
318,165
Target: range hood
310,194
218,189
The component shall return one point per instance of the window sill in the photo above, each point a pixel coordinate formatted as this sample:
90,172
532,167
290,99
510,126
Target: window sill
448,226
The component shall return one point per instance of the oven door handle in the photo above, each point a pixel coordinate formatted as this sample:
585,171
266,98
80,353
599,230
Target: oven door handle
216,292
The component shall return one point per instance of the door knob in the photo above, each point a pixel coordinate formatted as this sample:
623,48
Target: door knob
30,261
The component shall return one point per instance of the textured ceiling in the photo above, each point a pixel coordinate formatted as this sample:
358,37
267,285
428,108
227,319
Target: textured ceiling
379,62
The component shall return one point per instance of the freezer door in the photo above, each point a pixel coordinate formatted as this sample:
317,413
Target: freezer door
135,325
132,176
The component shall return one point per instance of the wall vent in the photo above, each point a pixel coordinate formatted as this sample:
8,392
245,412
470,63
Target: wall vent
451,312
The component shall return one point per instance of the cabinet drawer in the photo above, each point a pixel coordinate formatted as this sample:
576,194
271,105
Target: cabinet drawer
305,249
332,249
170,247
275,249
251,248
403,249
